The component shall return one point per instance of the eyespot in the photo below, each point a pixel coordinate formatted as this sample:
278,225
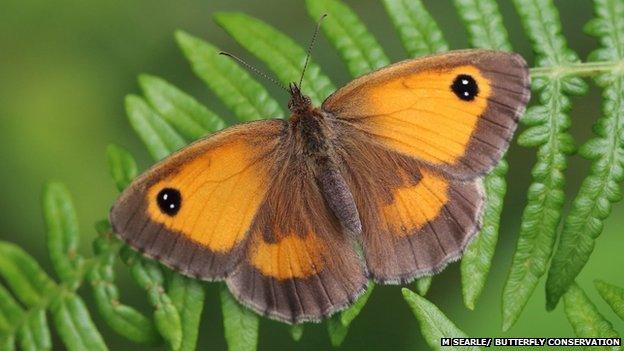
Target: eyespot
169,201
465,87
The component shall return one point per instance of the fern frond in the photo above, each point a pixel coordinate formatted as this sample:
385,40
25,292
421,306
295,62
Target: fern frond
548,130
149,276
123,319
62,231
602,187
282,55
434,325
157,135
418,31
244,96
185,114
485,30
484,24
422,285
338,325
346,32
240,324
613,295
584,317
39,293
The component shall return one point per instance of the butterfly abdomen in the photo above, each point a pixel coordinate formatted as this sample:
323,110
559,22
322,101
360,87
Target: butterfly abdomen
315,133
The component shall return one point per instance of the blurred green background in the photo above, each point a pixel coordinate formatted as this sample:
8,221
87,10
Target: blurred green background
66,65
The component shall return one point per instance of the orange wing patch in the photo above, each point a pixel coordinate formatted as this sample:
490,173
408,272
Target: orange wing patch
292,256
419,115
415,205
221,192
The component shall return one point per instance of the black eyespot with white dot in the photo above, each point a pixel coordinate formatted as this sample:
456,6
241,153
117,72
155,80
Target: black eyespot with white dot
169,201
465,87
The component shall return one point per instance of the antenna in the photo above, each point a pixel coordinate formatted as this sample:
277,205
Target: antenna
305,66
253,69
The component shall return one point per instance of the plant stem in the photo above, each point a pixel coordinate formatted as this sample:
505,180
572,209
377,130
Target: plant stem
581,69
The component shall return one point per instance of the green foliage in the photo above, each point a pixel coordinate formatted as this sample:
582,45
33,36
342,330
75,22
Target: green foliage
281,54
613,295
346,32
601,188
38,293
585,319
548,125
240,324
187,116
122,166
158,136
166,119
245,97
338,325
418,31
433,323
423,284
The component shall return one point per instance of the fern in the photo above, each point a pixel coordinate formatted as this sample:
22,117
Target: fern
585,318
602,187
548,130
166,119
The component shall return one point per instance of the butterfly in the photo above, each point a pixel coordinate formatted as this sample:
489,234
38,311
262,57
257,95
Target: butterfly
382,182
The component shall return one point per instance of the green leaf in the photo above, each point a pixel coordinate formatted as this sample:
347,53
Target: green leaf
149,276
23,274
124,320
418,31
185,114
434,325
245,97
280,53
62,231
485,30
477,259
34,334
601,188
188,297
423,284
296,331
338,325
157,135
240,324
542,213
484,23
613,295
357,47
122,166
32,328
585,319
74,325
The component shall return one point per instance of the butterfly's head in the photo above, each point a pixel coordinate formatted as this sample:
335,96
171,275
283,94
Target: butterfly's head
298,103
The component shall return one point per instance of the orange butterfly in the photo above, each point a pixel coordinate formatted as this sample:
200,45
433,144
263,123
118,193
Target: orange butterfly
382,182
